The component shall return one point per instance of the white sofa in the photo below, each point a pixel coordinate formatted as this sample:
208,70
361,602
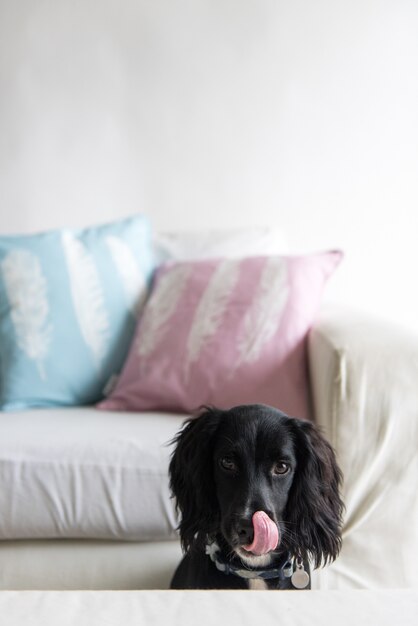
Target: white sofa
84,497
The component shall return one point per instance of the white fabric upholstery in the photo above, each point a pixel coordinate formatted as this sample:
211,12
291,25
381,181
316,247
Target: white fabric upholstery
83,473
209,607
87,564
364,379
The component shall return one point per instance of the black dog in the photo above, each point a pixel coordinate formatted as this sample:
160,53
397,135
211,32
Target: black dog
258,493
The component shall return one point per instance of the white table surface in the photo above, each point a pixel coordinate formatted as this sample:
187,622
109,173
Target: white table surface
201,608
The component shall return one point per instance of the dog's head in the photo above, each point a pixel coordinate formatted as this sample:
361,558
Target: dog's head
229,465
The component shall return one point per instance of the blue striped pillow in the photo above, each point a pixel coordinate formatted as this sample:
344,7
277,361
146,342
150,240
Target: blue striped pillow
68,306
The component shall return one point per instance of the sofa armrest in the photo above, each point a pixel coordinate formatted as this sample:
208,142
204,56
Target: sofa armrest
364,379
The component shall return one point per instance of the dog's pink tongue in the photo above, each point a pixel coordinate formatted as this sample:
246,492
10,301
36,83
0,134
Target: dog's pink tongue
266,534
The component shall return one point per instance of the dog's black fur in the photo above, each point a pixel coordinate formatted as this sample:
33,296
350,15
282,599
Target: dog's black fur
228,464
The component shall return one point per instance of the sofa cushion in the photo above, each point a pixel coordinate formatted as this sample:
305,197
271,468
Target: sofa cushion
83,473
225,332
68,306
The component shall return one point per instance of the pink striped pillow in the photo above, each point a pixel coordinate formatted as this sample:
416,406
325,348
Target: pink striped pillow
225,332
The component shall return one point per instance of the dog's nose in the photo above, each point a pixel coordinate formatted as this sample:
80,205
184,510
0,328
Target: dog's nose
245,526
245,531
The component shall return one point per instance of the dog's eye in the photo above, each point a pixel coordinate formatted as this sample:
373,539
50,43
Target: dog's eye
281,468
228,464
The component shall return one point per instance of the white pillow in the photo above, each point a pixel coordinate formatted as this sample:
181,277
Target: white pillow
209,244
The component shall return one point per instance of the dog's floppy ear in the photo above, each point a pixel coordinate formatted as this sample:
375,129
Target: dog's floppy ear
315,508
191,478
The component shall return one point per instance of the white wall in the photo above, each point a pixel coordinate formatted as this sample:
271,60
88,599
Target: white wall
208,113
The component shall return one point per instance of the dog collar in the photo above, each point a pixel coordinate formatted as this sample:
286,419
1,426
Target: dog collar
283,570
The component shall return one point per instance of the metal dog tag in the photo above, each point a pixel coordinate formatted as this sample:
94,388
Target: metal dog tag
300,578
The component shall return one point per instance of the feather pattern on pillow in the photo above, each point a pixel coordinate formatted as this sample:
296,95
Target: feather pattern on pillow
160,309
87,295
133,279
263,316
27,292
210,310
